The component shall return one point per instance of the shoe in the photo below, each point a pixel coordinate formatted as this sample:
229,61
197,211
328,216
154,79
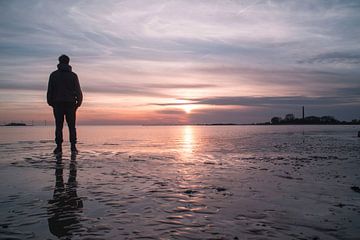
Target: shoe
58,149
74,149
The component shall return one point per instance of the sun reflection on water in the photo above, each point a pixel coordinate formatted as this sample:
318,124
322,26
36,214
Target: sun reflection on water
188,141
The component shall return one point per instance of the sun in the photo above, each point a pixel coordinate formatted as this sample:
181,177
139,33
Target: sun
187,108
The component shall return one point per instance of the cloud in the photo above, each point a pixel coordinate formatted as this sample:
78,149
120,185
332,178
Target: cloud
256,101
275,75
210,52
192,85
335,57
117,89
264,114
21,85
171,111
347,92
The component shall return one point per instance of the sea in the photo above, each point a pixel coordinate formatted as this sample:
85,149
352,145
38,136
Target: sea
181,182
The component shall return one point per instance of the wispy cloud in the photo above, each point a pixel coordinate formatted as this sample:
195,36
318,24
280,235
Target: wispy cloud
335,57
184,86
269,101
171,111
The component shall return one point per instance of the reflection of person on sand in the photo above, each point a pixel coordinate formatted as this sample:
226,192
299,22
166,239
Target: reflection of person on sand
65,96
65,207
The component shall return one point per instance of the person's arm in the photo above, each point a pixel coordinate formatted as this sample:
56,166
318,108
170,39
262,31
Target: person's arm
50,91
78,92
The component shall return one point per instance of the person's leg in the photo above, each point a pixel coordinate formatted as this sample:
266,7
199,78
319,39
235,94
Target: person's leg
71,121
59,123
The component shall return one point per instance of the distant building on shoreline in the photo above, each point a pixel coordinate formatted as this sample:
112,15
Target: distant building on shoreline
290,119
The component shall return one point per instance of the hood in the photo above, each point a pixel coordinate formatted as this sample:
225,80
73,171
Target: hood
64,67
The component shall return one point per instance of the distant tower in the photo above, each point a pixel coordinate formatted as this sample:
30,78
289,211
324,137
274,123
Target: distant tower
303,112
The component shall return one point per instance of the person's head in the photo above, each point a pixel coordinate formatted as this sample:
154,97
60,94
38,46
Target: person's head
64,59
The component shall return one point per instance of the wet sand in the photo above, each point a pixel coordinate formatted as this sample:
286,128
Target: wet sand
184,183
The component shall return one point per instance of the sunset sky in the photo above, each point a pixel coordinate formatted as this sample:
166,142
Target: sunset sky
183,61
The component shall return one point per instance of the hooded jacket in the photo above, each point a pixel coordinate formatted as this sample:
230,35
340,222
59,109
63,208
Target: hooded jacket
64,86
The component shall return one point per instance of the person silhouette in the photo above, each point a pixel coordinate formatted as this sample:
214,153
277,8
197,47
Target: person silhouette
64,95
65,207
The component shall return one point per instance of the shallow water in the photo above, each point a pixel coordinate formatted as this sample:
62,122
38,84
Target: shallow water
181,182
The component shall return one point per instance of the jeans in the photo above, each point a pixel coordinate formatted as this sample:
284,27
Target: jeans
67,109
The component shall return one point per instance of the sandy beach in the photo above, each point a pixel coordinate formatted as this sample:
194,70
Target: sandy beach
182,182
